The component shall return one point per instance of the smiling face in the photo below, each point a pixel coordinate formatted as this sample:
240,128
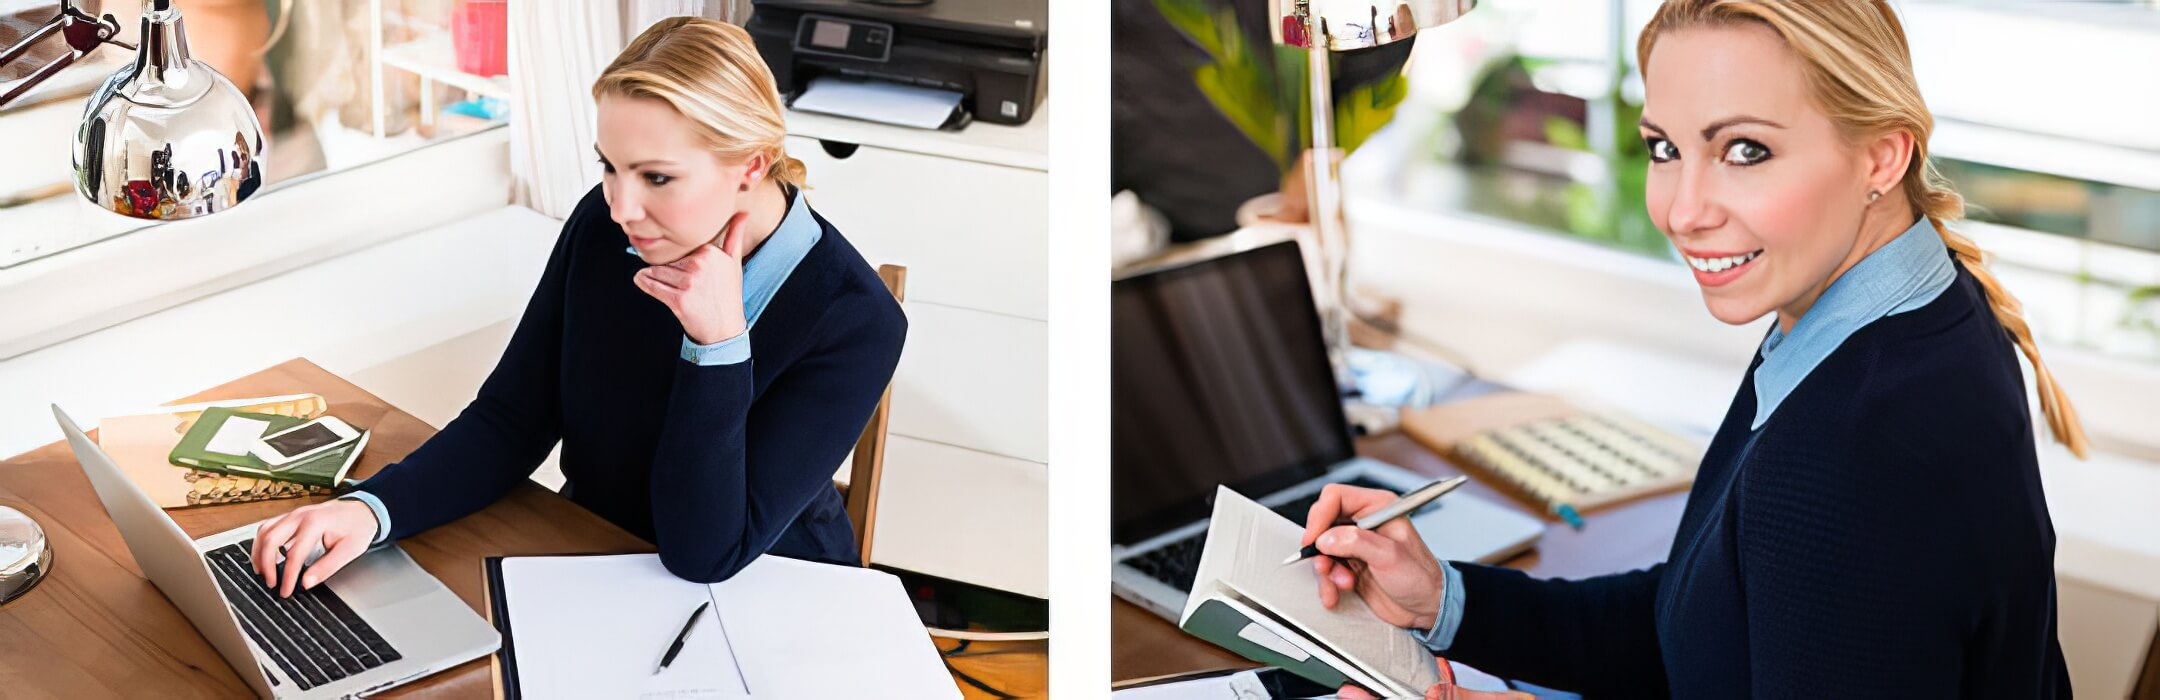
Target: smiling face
1749,179
664,186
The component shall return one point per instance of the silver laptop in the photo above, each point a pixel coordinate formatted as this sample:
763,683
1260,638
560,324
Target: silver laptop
1219,375
379,622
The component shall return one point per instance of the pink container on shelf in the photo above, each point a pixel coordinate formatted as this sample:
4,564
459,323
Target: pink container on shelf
481,30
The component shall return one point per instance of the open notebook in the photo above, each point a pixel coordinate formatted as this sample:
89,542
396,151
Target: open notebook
1246,600
596,626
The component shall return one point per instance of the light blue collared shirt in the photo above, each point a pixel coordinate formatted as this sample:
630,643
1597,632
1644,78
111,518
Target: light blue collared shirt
1905,274
763,273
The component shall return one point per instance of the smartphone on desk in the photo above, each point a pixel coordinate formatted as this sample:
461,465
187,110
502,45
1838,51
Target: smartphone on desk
302,441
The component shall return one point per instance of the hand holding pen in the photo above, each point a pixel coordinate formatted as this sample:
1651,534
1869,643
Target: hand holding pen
1388,565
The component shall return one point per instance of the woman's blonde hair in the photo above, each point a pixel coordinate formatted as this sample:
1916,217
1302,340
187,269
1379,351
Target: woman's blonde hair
711,73
1859,71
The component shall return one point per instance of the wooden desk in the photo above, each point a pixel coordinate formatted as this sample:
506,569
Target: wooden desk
96,628
1625,537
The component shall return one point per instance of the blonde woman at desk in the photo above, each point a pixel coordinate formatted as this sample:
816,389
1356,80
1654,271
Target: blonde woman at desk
1868,521
703,344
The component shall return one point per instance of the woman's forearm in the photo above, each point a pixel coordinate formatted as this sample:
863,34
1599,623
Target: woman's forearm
1597,636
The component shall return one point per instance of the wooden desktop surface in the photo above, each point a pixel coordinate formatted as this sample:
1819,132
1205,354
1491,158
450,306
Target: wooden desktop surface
96,628
1624,537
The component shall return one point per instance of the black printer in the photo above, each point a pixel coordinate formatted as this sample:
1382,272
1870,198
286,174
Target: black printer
989,51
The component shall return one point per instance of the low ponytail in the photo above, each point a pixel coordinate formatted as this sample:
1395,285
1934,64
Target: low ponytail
789,170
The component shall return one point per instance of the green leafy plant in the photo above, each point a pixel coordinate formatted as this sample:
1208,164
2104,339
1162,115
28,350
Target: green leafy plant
1262,89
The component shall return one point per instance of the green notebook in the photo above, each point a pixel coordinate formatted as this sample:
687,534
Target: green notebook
220,439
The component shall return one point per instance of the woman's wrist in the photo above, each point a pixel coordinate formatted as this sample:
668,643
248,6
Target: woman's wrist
1428,608
716,332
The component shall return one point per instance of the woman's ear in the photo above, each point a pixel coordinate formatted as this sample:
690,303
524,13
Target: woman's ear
1887,158
753,171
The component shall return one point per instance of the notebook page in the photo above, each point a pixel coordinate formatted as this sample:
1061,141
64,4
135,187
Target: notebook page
1259,539
596,626
808,630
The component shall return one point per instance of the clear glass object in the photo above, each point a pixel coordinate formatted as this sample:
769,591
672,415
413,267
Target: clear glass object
24,556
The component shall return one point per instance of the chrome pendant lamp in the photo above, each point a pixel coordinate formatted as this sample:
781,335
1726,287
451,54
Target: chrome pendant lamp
163,139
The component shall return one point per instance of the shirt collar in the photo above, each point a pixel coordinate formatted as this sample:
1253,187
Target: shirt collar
1905,274
768,266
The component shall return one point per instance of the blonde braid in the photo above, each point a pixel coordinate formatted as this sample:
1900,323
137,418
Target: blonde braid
1941,204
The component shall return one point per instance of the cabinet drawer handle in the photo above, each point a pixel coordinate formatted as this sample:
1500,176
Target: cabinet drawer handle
839,150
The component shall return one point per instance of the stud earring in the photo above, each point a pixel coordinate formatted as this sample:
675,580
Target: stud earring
1872,195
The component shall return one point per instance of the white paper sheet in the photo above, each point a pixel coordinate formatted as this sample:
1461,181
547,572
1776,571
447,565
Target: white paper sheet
879,101
236,436
1243,685
823,631
595,626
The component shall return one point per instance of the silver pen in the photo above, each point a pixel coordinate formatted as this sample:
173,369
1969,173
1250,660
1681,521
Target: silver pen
1407,504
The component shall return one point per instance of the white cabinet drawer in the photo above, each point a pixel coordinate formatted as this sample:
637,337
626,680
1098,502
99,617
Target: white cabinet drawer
972,235
964,515
974,379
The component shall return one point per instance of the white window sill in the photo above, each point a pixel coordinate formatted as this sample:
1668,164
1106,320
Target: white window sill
49,300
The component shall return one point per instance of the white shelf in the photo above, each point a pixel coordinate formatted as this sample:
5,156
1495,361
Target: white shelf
433,58
1024,146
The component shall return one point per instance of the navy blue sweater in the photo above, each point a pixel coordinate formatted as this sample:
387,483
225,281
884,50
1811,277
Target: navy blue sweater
1883,534
713,464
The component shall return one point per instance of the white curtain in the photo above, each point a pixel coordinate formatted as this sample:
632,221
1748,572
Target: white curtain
556,51
639,14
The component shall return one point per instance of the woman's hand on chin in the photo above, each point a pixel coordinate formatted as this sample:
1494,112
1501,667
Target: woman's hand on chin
704,288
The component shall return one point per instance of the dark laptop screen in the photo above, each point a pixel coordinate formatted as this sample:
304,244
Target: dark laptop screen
1218,375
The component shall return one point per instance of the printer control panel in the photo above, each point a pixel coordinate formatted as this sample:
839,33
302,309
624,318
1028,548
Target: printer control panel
841,36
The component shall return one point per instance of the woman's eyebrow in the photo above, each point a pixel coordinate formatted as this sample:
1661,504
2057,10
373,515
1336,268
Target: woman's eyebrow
1710,132
632,166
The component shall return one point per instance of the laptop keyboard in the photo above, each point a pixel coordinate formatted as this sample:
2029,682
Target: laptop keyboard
1178,562
314,637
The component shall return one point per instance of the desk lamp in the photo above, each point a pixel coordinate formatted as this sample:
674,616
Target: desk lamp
164,139
1322,28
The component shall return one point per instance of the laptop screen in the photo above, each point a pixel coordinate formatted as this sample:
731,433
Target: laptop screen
1218,375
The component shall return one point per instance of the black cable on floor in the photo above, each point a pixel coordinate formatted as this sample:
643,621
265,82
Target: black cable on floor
979,685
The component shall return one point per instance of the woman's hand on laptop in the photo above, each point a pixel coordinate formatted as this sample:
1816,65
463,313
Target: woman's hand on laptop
1390,568
345,527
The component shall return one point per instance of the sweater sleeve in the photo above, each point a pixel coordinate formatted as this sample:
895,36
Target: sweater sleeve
1596,636
1850,555
503,435
730,474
